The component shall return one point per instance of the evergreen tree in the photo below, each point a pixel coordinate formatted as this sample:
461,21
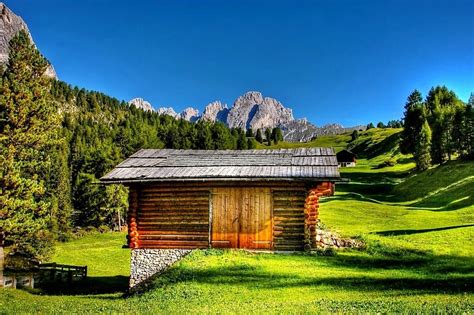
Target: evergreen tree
422,148
241,141
277,135
380,125
258,136
467,137
29,132
370,126
251,144
268,136
249,133
354,135
412,122
204,136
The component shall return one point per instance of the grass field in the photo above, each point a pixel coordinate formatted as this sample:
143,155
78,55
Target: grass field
419,231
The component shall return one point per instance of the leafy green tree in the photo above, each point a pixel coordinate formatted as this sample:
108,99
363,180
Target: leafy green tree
29,132
422,148
258,136
380,125
442,104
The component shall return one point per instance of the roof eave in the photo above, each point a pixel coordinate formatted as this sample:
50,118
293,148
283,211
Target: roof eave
106,181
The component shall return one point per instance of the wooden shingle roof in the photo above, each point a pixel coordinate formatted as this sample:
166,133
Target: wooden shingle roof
184,165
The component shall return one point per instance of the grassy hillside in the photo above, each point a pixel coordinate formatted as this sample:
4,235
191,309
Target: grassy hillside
377,149
419,231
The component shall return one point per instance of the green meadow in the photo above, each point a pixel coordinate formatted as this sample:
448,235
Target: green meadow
419,253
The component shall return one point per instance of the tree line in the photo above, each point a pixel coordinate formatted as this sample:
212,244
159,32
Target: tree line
437,128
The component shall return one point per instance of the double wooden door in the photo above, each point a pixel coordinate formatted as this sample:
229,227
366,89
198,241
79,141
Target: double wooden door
241,218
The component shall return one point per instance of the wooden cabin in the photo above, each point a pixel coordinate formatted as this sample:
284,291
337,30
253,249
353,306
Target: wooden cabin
346,158
253,199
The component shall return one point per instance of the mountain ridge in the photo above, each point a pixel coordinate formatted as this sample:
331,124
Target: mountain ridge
253,111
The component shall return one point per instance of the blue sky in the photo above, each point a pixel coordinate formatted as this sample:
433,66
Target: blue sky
345,61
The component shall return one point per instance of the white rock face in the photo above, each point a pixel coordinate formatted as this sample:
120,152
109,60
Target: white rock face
10,25
167,111
215,111
190,114
141,103
252,110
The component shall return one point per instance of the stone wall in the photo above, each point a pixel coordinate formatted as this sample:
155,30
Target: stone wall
146,263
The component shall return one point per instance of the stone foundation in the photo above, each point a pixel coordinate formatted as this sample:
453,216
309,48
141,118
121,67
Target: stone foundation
146,263
326,238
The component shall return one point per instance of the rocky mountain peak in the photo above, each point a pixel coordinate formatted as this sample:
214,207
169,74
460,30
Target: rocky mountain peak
215,111
10,25
141,103
167,111
190,114
252,110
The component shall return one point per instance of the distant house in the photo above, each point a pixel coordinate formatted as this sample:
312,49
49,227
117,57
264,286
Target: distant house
346,158
253,199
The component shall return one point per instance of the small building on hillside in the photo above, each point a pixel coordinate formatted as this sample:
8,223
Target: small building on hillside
346,158
254,199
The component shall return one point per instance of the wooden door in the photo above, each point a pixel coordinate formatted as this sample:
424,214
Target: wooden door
242,218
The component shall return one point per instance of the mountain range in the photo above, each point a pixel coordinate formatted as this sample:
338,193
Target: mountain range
252,111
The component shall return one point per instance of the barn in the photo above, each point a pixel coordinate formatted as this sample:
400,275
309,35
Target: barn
346,158
252,199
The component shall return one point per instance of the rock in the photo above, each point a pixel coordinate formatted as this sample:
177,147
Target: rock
190,114
215,111
10,25
147,263
167,111
141,103
252,110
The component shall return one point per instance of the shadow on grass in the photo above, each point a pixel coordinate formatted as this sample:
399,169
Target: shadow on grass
417,231
418,274
410,273
88,286
258,278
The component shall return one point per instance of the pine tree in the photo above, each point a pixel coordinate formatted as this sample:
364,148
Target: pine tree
241,141
249,133
258,136
29,131
370,126
277,135
467,143
251,144
380,125
412,122
354,135
268,136
422,148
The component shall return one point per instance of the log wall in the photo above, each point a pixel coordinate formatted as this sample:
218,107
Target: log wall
173,217
289,219
177,215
